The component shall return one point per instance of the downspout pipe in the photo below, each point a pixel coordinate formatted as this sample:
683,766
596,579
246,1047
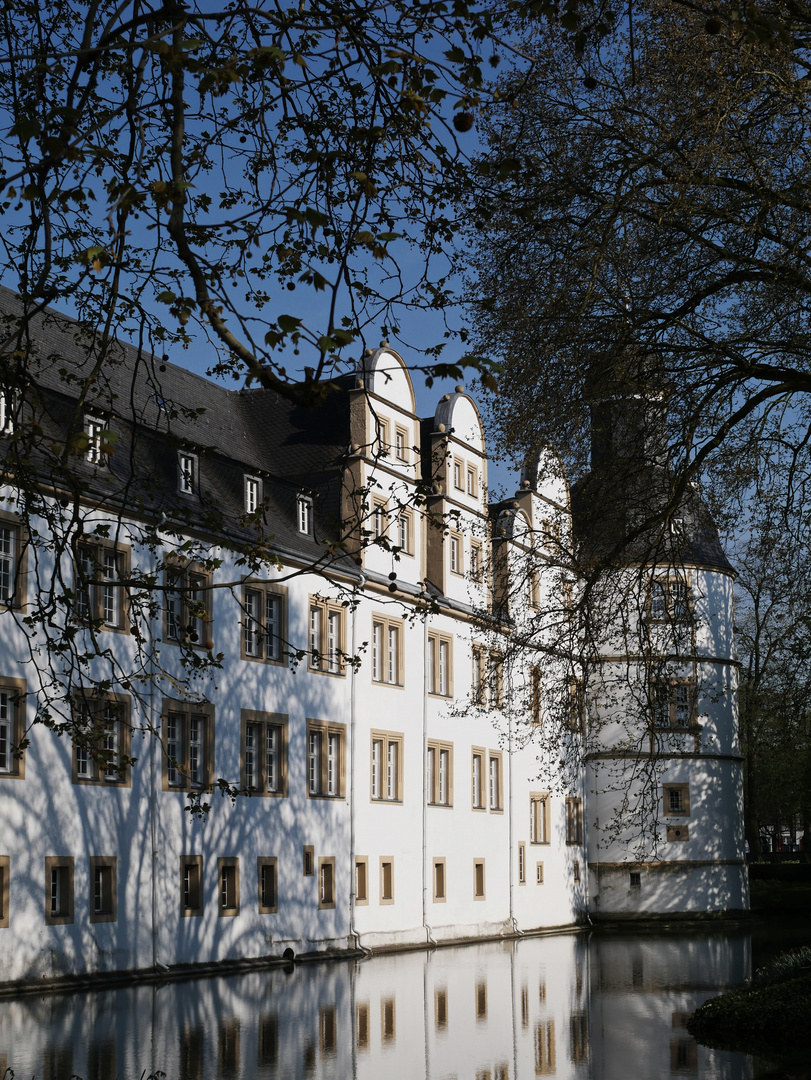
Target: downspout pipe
428,935
353,933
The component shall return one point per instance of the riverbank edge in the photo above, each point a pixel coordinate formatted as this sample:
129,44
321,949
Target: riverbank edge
109,980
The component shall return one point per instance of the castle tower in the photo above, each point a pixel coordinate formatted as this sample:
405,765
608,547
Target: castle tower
664,807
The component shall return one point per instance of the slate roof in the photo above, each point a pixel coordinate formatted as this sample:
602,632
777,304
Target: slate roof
608,507
156,407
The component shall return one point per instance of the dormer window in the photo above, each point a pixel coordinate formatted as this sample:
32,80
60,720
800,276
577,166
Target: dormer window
6,412
304,511
187,473
94,430
253,494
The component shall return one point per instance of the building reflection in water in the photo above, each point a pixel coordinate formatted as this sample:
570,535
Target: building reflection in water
567,1006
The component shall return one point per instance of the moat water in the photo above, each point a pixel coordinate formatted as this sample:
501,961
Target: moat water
572,1005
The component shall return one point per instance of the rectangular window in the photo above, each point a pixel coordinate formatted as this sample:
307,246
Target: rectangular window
477,689
669,600
264,622
387,641
495,681
439,664
7,410
103,888
361,879
439,881
101,741
264,752
475,560
401,444
12,564
268,881
576,706
405,532
535,713
100,596
304,515
477,771
5,870
522,863
191,885
253,494
98,445
457,475
674,705
308,860
186,473
539,873
494,781
325,759
676,800
472,481
383,438
387,766
439,773
380,521
539,818
478,879
228,878
58,889
386,879
12,725
574,821
457,558
326,637
326,882
187,607
188,745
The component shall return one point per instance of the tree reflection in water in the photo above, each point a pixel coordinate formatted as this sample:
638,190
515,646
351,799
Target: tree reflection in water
573,1005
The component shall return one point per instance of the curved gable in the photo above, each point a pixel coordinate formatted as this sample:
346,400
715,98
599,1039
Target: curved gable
544,473
458,411
386,375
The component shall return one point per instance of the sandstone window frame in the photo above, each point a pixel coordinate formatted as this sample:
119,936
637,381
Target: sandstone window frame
326,760
191,766
361,883
264,630
110,734
386,775
388,647
103,881
439,773
13,708
676,800
439,664
59,890
267,882
192,886
99,598
260,726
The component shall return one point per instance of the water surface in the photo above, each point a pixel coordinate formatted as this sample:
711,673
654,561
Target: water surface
572,1005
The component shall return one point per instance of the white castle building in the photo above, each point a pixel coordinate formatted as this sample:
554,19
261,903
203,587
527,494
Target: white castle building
381,683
